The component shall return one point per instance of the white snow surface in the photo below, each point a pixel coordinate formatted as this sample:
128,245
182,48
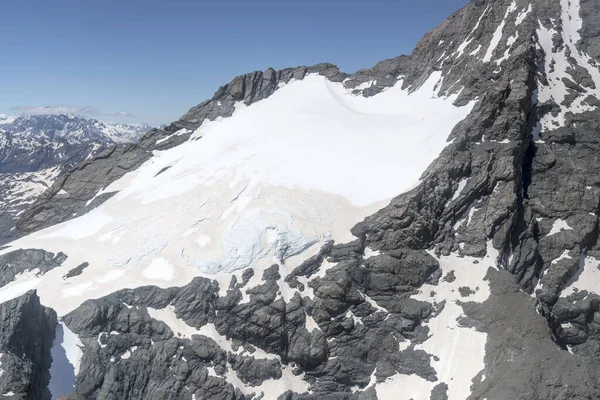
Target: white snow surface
349,139
24,188
404,387
72,346
159,269
178,133
558,226
587,278
461,186
268,185
178,326
21,285
564,256
523,14
460,350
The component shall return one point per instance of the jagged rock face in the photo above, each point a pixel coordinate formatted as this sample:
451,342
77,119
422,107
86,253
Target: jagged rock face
130,323
26,260
26,335
495,251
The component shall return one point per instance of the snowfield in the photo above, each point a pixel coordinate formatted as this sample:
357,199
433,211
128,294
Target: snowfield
269,185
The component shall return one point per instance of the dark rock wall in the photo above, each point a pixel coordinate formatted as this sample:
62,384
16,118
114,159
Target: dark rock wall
26,337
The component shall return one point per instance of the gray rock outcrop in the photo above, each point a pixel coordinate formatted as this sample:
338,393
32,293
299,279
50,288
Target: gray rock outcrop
26,260
26,336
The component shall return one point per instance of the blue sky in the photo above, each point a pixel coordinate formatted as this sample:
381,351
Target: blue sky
156,59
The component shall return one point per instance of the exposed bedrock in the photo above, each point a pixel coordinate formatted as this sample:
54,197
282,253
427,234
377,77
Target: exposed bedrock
21,261
26,337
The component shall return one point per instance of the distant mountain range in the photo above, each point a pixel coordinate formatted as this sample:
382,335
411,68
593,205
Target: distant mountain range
33,142
35,149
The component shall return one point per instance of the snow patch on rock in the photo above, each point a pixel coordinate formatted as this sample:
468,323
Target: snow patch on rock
587,278
460,350
558,226
498,34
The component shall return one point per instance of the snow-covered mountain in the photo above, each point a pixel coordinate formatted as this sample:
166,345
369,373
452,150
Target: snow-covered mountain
32,142
35,149
425,229
6,119
123,133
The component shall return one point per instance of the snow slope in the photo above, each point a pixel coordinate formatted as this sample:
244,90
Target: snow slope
268,185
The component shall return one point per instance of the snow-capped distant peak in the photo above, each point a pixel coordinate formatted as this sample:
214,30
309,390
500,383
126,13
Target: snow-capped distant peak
70,127
124,133
6,119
